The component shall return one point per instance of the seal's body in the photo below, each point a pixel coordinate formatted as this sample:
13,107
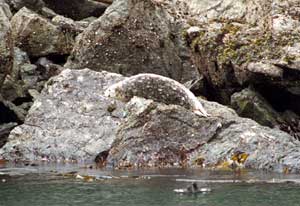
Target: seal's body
157,88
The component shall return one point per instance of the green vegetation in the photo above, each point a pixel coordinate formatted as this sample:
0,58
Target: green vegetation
238,43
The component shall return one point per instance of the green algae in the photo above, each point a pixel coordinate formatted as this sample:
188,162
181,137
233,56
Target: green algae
240,43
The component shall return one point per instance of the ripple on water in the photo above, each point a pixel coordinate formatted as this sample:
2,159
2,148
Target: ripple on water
43,189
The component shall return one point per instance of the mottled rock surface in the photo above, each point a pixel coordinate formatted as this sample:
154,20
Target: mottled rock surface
40,37
69,121
73,120
157,135
251,104
6,42
134,37
242,43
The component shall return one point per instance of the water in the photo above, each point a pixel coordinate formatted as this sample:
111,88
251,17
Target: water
144,188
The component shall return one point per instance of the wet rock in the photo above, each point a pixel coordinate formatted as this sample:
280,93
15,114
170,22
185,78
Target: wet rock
77,10
69,120
39,36
151,31
6,43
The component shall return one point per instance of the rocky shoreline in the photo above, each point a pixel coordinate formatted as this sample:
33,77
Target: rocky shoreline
59,57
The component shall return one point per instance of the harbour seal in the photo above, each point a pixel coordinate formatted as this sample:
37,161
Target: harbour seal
158,88
192,189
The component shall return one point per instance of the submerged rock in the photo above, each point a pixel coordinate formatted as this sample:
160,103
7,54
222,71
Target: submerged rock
134,37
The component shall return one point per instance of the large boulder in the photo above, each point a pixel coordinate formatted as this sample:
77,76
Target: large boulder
73,120
157,135
6,42
40,37
69,121
133,37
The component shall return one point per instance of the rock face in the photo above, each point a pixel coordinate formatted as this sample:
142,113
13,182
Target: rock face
268,149
157,135
73,120
134,37
39,36
242,43
6,42
251,104
69,121
162,136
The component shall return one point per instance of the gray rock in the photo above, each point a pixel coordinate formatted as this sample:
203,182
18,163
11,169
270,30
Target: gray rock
4,132
5,9
40,37
232,54
157,135
251,104
12,86
6,43
27,80
71,120
134,37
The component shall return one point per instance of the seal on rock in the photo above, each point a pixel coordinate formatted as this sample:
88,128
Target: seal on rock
158,88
